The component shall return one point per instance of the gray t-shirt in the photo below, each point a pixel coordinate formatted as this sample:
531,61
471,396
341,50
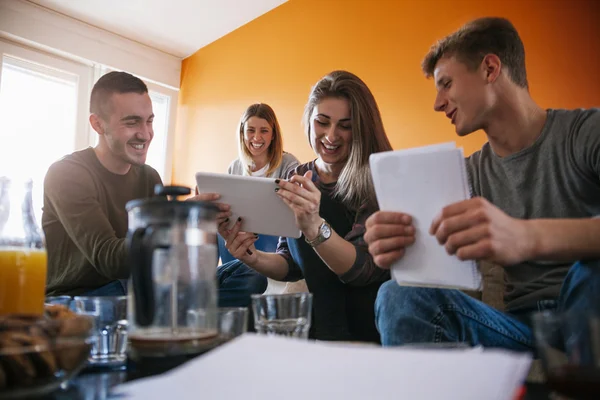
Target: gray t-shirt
557,177
288,163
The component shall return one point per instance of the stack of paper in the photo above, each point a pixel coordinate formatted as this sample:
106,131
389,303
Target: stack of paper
421,182
262,367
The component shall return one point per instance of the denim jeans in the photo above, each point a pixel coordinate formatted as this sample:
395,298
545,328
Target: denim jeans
264,243
237,282
421,315
114,288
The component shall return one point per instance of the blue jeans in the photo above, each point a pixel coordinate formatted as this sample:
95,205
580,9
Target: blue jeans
237,282
264,243
114,288
422,315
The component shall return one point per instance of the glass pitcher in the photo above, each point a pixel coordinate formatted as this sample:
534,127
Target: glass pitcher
172,247
23,259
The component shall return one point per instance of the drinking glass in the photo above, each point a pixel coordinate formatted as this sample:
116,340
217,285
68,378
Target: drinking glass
283,314
569,347
61,300
232,321
23,255
110,326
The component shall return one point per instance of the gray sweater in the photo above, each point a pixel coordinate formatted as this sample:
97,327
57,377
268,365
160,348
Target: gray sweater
288,163
557,177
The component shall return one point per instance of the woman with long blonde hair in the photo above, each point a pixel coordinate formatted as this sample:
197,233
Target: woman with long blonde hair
261,154
260,145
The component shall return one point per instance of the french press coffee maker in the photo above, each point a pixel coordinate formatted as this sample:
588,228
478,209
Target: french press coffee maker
172,247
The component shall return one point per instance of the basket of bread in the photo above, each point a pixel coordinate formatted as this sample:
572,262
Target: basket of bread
38,354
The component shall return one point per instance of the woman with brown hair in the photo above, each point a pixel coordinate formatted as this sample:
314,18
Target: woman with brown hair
331,197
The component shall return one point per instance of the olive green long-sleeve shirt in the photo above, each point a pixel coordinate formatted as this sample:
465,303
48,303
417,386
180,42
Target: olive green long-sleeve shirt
85,221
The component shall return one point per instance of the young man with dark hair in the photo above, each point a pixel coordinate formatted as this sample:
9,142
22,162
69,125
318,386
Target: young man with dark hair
84,218
536,187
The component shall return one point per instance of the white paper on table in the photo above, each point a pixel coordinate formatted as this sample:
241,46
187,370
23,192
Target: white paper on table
263,367
421,182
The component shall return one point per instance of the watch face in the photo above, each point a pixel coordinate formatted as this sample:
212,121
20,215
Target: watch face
326,231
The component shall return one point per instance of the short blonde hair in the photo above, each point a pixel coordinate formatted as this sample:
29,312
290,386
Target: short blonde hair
354,186
275,155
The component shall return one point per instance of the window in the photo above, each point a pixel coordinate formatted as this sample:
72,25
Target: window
40,114
157,156
37,116
44,111
164,105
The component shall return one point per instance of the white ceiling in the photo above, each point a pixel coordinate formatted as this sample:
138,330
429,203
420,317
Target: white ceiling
177,27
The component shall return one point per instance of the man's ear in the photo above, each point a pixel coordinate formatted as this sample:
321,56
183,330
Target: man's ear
492,67
97,124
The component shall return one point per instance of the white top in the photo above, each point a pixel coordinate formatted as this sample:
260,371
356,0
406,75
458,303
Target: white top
261,172
288,164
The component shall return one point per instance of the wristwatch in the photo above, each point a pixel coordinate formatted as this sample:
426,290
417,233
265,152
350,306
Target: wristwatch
324,234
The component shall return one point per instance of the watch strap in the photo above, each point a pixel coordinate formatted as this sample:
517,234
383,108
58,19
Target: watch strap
320,237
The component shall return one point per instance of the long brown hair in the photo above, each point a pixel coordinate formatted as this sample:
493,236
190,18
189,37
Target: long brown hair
275,155
354,185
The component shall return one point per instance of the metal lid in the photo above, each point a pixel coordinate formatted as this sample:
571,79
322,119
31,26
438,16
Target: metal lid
161,202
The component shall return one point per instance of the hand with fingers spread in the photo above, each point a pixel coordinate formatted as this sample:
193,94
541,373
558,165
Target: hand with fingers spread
224,209
388,233
475,229
239,244
304,198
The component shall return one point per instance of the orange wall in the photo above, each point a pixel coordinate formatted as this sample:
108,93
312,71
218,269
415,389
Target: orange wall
276,58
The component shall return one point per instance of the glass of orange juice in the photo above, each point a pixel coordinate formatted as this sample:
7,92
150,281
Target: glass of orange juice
22,252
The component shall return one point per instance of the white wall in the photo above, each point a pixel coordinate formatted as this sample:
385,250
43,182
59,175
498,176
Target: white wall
28,23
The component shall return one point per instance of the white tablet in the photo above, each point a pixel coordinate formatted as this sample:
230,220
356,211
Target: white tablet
254,200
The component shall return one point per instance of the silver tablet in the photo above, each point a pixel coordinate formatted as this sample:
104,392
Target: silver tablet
254,200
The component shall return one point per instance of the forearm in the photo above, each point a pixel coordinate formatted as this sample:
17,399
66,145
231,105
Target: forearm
109,258
71,201
271,265
337,253
96,240
564,239
352,264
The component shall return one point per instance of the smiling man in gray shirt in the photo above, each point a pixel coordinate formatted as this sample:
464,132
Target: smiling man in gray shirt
536,187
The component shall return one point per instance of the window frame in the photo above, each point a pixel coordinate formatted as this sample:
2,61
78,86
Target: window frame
170,135
57,66
88,73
